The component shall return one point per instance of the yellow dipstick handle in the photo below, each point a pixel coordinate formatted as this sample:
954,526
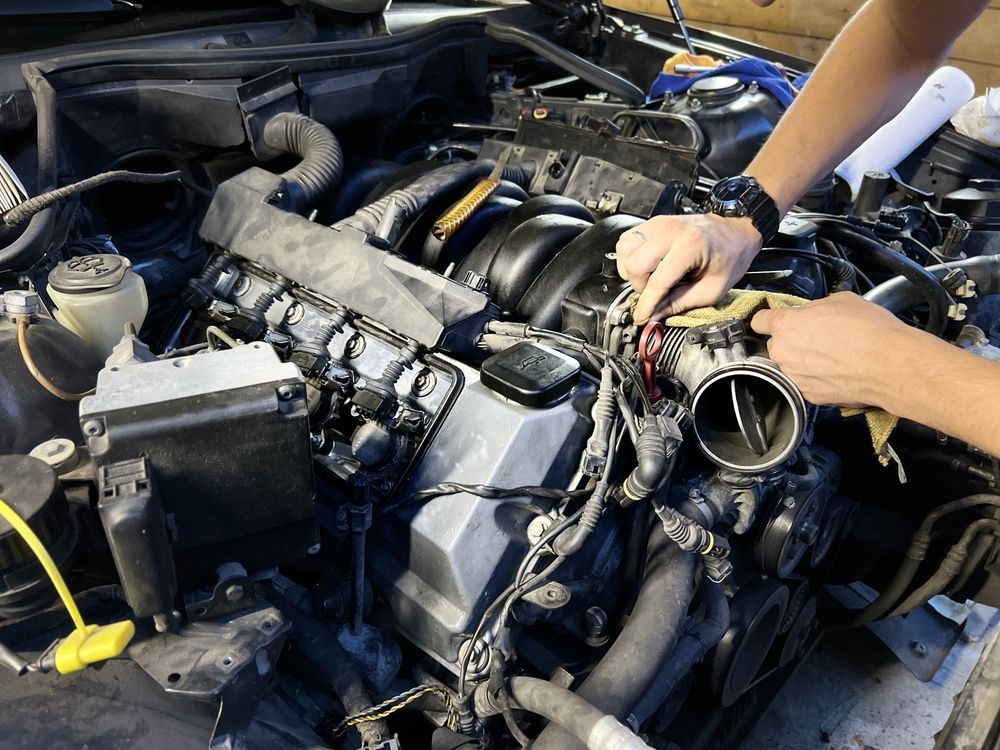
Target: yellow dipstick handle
87,644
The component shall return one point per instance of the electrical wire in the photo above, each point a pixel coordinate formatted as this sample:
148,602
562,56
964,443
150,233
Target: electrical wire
487,492
24,211
29,362
390,706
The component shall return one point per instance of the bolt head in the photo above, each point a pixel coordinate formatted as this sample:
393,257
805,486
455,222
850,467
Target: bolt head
20,302
93,428
286,392
235,592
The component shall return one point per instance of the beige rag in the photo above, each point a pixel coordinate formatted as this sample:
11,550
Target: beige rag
686,58
743,304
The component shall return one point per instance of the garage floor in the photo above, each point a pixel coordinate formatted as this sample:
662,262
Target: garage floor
852,694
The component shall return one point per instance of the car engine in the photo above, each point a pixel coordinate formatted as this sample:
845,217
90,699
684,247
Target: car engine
323,393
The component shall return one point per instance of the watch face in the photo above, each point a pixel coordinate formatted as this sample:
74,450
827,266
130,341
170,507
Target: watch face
729,190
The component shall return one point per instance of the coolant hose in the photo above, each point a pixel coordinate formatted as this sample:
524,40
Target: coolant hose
322,157
691,647
630,666
900,294
580,719
932,291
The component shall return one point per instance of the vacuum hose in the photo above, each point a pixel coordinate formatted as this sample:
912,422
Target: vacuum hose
322,162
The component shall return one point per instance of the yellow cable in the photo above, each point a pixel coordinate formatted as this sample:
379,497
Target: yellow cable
29,362
48,564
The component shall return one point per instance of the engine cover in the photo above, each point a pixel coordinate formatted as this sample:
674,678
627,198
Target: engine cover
440,563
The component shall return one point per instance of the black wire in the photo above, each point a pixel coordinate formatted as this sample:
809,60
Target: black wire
481,490
24,211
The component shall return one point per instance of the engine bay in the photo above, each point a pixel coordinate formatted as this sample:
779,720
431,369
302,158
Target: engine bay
324,394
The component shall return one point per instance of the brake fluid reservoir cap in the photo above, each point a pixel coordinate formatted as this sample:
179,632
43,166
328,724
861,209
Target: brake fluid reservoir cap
89,273
530,374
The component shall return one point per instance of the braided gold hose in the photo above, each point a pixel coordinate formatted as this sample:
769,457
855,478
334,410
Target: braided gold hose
458,214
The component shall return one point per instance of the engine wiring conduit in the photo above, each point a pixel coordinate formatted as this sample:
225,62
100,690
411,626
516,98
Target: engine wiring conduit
322,162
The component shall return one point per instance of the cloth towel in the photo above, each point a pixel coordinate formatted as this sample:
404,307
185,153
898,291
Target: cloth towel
743,304
748,70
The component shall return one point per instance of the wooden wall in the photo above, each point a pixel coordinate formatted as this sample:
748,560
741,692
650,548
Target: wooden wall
804,28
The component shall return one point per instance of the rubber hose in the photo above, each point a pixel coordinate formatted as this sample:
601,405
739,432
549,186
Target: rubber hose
322,162
571,63
628,669
934,294
691,647
323,656
900,294
914,556
590,726
948,569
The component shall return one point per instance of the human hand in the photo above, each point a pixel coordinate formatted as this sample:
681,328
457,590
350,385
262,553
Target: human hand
841,349
681,262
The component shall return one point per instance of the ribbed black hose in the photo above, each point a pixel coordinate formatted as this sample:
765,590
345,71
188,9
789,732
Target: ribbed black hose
691,647
915,554
933,292
628,669
408,202
322,162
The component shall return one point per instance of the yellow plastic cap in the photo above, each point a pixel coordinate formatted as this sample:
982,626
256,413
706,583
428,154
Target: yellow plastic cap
96,643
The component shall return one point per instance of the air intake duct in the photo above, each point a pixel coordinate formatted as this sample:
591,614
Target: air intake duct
748,416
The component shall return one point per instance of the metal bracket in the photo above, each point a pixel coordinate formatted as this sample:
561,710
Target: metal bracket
230,662
230,595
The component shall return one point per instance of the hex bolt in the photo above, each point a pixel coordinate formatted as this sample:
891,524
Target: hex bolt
286,392
234,593
595,621
93,428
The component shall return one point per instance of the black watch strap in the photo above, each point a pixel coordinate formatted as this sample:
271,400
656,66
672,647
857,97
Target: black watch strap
743,196
762,211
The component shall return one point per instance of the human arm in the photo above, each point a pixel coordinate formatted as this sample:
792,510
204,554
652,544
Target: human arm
843,350
868,74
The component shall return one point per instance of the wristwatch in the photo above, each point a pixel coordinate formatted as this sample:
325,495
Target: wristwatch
743,196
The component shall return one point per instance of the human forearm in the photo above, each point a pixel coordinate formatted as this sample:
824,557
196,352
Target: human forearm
868,74
929,381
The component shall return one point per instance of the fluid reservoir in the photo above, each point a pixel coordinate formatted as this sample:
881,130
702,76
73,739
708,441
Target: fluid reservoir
95,296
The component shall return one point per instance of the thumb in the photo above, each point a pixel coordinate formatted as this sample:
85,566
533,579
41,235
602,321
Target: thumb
763,321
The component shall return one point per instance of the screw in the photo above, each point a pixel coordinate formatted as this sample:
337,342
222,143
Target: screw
242,286
536,527
314,550
286,392
918,648
479,659
235,592
424,383
595,620
354,346
294,313
93,428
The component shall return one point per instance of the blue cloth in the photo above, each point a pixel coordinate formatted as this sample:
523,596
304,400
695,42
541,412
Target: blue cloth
748,70
802,80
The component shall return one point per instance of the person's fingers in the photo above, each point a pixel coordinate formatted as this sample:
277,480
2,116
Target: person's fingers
637,265
701,293
671,269
763,321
